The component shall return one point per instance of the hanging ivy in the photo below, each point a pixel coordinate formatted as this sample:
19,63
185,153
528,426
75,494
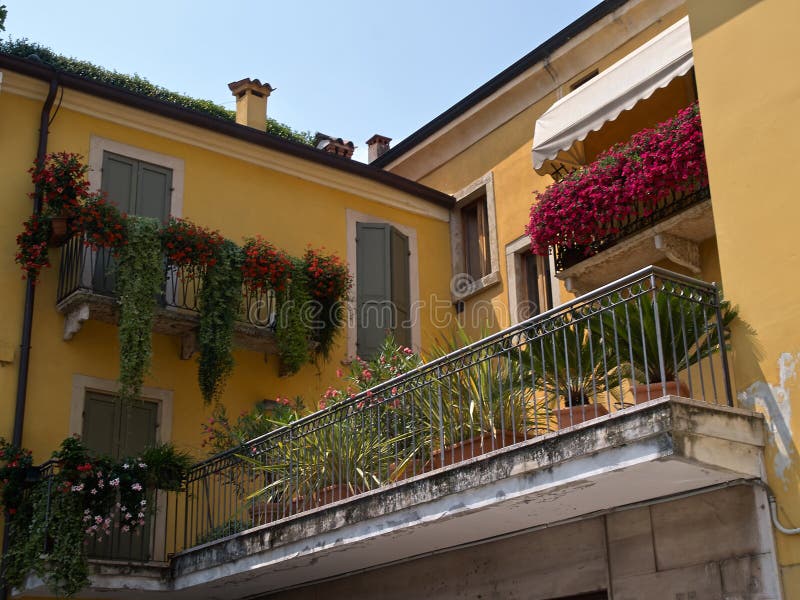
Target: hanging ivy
140,276
220,298
295,319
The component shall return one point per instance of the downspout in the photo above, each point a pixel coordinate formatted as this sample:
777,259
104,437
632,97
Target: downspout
27,315
30,289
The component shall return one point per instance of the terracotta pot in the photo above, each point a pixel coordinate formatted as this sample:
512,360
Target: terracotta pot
410,469
59,231
573,415
471,448
261,513
656,390
332,493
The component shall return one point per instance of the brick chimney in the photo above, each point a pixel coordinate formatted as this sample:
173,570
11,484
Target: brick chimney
377,145
336,146
251,102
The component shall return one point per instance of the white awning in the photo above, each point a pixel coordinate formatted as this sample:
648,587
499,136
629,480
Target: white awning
617,88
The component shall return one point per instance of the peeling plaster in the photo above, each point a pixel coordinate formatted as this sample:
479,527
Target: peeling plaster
774,402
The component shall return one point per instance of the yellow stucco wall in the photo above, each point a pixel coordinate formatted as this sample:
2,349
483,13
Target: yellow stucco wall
745,56
222,192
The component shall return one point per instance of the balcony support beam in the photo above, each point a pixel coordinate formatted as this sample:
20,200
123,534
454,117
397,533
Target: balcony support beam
74,320
681,251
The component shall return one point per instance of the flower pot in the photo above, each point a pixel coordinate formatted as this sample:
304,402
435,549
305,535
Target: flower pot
59,231
261,513
410,469
471,448
333,493
656,390
574,415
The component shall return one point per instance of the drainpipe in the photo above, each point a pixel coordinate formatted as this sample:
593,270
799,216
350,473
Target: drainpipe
30,289
30,293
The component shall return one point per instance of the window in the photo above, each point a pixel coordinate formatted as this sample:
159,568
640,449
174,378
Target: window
537,288
531,287
383,295
475,231
138,188
118,429
474,239
98,417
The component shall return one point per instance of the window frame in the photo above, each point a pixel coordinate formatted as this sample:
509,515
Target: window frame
164,398
98,146
352,218
466,197
517,278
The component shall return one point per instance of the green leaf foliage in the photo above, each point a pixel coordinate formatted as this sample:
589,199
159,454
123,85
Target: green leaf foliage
220,297
140,275
294,321
24,48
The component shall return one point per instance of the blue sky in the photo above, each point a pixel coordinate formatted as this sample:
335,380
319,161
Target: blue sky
345,68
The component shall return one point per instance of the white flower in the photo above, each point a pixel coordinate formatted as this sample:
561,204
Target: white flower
93,491
136,487
141,515
126,466
142,465
114,482
143,503
77,488
125,528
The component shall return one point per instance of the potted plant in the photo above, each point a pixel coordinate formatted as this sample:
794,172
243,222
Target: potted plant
574,368
688,334
61,181
323,463
487,404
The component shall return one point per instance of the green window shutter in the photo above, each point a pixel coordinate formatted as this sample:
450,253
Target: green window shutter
154,190
373,293
138,427
101,424
119,180
137,187
401,293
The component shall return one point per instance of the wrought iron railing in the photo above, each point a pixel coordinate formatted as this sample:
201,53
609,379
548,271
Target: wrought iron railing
566,257
83,269
647,335
156,541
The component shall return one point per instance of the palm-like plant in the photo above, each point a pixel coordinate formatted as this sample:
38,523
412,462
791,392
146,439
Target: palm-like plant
328,460
685,327
571,361
484,392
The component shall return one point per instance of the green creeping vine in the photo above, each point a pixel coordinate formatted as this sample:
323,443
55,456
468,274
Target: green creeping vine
140,275
220,298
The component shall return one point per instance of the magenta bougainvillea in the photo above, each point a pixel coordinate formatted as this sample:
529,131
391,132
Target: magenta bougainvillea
627,180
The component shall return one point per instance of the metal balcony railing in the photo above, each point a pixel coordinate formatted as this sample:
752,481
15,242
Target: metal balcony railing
85,270
647,335
668,206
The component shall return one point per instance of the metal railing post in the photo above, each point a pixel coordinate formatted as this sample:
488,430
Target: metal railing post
723,346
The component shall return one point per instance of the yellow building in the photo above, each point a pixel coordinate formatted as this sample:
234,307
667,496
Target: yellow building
608,440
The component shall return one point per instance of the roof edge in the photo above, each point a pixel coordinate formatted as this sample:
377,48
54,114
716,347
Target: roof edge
46,72
498,81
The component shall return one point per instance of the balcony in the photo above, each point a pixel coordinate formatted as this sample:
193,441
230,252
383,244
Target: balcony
86,291
672,231
620,396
